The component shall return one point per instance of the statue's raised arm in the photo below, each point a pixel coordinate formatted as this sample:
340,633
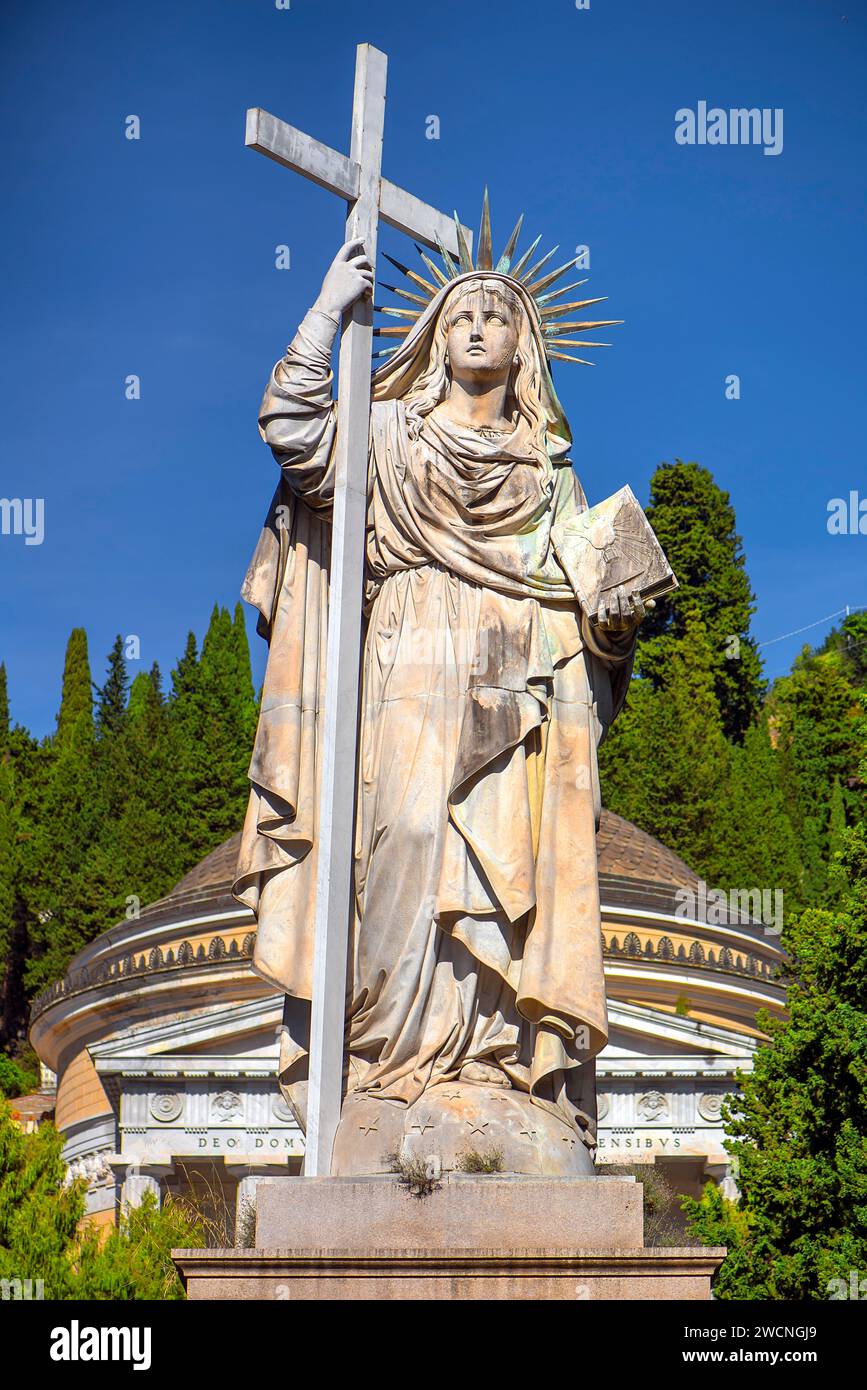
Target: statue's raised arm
297,417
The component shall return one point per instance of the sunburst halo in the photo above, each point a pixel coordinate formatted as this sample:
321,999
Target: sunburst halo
554,317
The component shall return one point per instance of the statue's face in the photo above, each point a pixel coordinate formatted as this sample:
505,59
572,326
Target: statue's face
482,336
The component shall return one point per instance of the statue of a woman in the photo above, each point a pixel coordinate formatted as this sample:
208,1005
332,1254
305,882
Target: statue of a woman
476,1000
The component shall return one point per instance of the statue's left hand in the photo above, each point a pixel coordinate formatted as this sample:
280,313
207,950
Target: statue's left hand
623,610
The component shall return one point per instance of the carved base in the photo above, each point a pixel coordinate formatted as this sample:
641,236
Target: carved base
338,1275
480,1237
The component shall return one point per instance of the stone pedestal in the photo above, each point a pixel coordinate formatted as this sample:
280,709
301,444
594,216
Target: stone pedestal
472,1237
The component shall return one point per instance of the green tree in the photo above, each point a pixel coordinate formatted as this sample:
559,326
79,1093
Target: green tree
8,844
112,695
134,1262
798,1129
666,762
696,526
849,640
42,1235
213,713
76,701
38,1216
140,848
758,846
814,715
64,827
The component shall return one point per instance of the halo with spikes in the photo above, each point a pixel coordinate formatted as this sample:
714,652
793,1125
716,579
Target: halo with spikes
554,317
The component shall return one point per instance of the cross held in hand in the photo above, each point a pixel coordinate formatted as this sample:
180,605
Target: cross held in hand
356,178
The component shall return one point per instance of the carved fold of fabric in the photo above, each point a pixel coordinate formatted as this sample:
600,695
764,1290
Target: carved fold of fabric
483,511
279,829
298,418
489,799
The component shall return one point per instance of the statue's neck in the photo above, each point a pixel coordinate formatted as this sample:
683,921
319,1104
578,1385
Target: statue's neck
478,405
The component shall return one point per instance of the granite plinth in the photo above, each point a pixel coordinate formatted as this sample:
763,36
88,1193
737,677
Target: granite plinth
505,1274
462,1213
473,1237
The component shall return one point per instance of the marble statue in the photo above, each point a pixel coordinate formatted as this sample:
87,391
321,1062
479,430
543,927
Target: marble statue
476,1001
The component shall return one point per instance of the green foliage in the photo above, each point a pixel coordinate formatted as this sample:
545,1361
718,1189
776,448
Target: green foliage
798,1130
38,1216
42,1237
752,793
107,815
815,715
849,641
758,844
76,701
696,526
134,1261
665,764
15,1079
112,696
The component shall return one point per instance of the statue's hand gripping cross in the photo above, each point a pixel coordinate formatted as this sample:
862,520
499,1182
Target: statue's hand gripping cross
370,197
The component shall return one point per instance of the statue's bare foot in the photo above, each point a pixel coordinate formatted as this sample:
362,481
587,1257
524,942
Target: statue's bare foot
484,1074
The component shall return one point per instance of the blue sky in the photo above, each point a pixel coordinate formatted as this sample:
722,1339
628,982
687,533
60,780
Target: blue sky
156,257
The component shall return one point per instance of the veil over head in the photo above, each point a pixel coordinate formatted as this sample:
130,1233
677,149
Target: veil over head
397,376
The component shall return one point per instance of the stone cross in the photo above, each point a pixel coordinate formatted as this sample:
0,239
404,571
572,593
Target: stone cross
356,178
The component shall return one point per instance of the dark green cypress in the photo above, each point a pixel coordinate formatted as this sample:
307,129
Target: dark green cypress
696,526
112,696
76,701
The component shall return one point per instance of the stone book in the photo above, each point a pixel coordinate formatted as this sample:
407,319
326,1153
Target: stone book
608,545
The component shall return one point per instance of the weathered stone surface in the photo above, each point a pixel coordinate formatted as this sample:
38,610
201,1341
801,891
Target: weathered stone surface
406,1274
450,1123
473,1237
365,1215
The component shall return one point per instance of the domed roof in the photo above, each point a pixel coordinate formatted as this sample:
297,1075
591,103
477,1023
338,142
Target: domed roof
624,853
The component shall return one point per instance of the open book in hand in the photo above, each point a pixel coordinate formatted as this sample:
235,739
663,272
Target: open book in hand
609,545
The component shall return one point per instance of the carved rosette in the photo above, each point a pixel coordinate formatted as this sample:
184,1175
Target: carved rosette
167,1106
709,1105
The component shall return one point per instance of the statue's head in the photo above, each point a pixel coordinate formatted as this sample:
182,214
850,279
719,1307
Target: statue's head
483,334
498,322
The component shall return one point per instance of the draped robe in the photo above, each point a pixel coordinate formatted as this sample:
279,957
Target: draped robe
485,693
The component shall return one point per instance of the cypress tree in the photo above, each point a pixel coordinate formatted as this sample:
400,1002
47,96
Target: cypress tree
112,696
815,715
139,853
666,763
696,526
758,845
248,710
76,701
60,913
8,854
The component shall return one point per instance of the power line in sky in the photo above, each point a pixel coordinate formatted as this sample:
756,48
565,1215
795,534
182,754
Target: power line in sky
818,622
